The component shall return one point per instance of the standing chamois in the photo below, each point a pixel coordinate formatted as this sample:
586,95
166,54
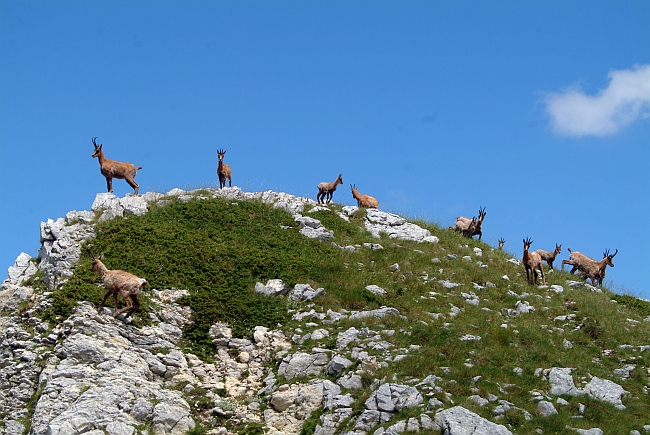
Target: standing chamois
549,257
112,169
502,242
588,267
119,281
470,227
223,170
326,190
365,201
532,261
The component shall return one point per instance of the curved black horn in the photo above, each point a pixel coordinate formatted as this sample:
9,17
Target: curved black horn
94,143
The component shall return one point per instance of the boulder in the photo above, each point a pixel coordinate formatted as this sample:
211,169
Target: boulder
461,421
376,290
394,398
562,382
396,227
304,293
303,364
606,391
273,287
546,409
337,365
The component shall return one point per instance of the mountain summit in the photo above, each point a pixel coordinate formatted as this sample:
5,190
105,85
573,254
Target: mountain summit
267,313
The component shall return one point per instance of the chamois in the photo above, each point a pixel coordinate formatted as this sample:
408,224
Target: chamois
119,281
223,170
532,261
470,227
365,201
588,267
549,257
501,243
326,190
113,169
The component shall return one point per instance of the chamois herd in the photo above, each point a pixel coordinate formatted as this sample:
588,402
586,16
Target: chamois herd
129,286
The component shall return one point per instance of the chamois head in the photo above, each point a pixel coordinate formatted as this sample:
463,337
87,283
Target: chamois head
97,265
608,258
98,148
221,153
501,243
481,213
527,243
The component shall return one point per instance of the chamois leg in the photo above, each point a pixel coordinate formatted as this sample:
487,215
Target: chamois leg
135,307
109,184
104,300
116,312
229,181
133,184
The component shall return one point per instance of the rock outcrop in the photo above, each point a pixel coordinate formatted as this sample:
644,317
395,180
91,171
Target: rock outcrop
94,374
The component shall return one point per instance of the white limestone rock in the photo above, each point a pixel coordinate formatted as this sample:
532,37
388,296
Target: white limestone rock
376,290
23,269
303,364
394,398
304,293
273,287
460,421
396,227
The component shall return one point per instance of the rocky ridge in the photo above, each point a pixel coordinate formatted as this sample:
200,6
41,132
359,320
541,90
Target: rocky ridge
95,374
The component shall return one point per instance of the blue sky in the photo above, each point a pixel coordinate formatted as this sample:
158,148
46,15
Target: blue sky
538,111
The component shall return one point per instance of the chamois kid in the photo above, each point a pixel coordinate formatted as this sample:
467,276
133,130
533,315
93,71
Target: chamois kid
119,281
549,257
223,170
365,201
113,169
532,262
326,190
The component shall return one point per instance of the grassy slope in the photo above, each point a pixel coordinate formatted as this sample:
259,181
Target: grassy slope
218,249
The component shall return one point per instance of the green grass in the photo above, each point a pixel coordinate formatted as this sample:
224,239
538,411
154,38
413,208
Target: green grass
218,249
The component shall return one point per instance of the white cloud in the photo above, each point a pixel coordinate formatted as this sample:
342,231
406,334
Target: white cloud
626,98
